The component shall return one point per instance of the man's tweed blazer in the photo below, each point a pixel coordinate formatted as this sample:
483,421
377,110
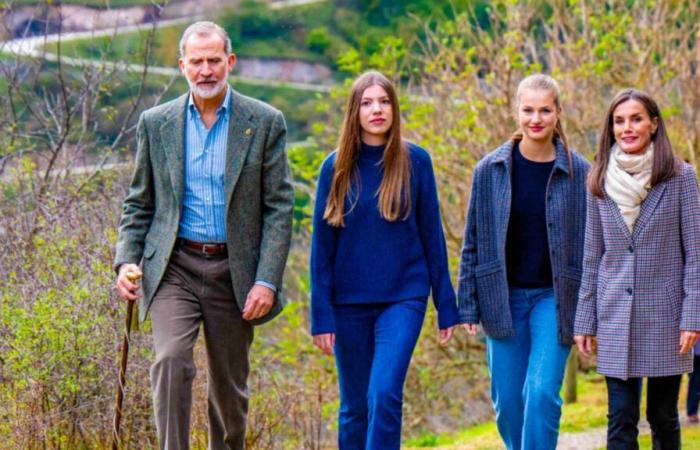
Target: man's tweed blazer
483,284
640,290
258,189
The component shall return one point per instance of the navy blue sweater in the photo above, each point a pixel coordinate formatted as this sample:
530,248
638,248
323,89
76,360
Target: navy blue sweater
527,247
371,260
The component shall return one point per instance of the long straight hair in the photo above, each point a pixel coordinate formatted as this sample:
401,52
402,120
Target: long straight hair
665,164
394,191
542,82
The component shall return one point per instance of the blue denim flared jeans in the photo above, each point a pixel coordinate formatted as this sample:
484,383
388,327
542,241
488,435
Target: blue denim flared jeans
527,371
373,348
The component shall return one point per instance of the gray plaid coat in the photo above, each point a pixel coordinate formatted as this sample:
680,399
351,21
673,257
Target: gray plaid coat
640,290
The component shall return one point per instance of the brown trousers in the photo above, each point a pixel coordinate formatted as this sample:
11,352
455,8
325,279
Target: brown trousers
197,289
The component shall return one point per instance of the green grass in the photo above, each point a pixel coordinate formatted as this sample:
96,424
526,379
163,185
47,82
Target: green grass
690,439
588,413
591,408
481,437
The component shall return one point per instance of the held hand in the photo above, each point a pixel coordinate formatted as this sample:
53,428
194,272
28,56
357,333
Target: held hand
127,281
471,328
585,345
688,340
258,303
445,335
325,342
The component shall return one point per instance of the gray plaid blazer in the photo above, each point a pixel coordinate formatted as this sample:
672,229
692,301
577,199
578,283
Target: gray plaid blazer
483,284
259,197
640,290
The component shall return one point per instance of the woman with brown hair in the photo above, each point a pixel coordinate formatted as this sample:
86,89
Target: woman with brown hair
640,292
377,251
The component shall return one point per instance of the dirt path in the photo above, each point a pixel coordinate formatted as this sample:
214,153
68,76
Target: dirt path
593,439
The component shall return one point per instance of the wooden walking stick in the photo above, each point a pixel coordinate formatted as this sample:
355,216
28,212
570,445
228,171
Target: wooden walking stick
133,277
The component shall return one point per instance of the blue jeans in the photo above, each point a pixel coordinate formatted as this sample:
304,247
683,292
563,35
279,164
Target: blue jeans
527,371
373,348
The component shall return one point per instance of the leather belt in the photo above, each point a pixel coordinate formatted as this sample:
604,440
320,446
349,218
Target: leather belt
204,249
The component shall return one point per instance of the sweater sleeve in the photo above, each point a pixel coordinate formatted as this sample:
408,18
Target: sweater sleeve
433,241
586,322
323,247
690,237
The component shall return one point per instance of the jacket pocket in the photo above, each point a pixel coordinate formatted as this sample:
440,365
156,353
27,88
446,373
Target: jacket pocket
568,286
572,273
488,268
566,293
492,294
674,296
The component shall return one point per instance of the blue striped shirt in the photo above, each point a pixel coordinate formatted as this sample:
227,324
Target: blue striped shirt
204,203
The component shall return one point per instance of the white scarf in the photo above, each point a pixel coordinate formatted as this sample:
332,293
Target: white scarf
627,181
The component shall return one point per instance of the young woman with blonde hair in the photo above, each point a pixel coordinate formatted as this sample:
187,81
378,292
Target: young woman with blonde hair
377,251
521,265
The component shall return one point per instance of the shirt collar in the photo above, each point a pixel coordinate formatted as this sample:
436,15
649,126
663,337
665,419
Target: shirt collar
224,108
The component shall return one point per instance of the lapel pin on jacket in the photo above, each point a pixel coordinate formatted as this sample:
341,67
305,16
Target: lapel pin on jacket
248,131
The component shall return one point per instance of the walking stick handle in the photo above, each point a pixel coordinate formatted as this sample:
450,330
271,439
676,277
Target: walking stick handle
133,276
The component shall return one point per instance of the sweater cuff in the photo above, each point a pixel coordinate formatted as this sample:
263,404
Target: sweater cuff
322,321
322,328
448,315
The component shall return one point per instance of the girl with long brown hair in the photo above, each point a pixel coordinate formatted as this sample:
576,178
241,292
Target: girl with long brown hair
640,294
377,251
521,265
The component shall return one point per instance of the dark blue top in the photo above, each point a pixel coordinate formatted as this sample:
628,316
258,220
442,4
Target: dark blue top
371,260
527,248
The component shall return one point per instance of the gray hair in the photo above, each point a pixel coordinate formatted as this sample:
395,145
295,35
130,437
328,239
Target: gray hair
205,28
540,81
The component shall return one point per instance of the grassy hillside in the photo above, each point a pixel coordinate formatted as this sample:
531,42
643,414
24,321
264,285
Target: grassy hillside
319,32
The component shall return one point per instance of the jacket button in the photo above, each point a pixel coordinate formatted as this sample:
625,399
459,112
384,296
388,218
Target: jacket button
631,249
549,197
629,290
550,224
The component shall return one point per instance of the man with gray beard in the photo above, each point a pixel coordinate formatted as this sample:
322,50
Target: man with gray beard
208,216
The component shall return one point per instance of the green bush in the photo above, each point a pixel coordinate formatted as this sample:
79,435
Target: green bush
318,39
